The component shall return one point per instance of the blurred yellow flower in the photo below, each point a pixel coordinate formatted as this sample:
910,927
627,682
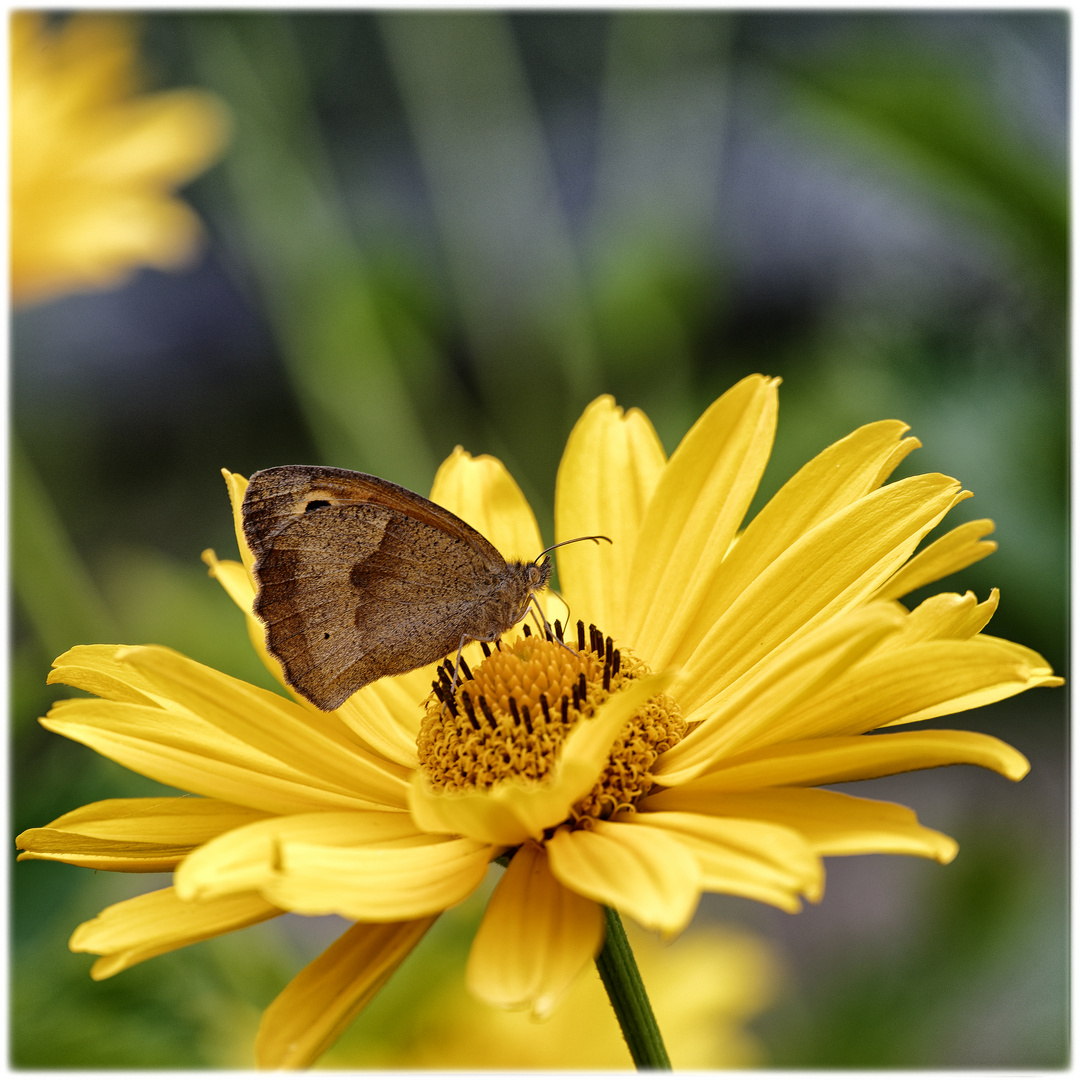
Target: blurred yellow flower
679,750
704,987
94,165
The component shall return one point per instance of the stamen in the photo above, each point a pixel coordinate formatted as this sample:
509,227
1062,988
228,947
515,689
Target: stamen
514,711
487,649
489,716
467,702
526,629
444,681
445,699
558,629
565,709
615,661
544,708
607,673
582,686
580,636
527,718
609,647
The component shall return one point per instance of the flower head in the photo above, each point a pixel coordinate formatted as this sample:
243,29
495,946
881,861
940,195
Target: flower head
673,740
93,166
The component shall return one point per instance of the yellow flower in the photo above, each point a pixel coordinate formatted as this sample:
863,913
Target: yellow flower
92,164
704,987
714,680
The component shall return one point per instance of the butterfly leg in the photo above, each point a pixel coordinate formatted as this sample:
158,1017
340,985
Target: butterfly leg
546,627
457,662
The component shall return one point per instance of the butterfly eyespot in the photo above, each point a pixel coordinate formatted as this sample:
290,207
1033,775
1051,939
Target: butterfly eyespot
315,504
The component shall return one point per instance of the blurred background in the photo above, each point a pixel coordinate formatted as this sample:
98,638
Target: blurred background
440,228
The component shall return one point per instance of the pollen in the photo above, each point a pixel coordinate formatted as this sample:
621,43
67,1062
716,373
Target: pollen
510,717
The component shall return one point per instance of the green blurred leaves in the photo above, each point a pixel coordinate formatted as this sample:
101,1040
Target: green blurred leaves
301,250
56,594
924,112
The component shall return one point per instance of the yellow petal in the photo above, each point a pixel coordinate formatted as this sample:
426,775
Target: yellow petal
947,615
833,824
237,486
97,670
135,835
92,55
750,712
308,740
168,137
857,757
514,810
177,749
1034,670
831,569
316,1007
109,231
129,856
535,938
919,682
93,164
368,866
954,551
386,714
249,857
156,819
234,579
644,873
763,861
488,816
695,511
380,882
607,476
839,476
134,930
482,493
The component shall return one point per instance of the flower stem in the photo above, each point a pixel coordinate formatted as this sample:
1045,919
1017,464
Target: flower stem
622,980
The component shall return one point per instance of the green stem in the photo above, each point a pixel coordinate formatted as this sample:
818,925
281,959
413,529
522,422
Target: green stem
622,980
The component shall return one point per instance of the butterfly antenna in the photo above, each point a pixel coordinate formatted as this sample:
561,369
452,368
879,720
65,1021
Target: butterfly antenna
576,540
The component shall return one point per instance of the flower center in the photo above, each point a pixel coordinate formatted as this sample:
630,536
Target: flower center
510,718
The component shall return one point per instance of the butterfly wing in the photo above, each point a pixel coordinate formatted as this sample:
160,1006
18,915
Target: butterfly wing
359,578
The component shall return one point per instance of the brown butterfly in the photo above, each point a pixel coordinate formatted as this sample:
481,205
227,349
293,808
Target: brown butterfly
360,578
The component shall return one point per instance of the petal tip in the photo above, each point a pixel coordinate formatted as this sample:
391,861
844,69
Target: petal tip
947,849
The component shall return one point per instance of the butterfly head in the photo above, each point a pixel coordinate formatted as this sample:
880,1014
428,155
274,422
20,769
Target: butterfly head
538,572
528,578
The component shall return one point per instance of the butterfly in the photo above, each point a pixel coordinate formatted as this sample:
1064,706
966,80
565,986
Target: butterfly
360,578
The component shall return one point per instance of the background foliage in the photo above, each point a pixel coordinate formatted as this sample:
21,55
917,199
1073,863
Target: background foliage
446,228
